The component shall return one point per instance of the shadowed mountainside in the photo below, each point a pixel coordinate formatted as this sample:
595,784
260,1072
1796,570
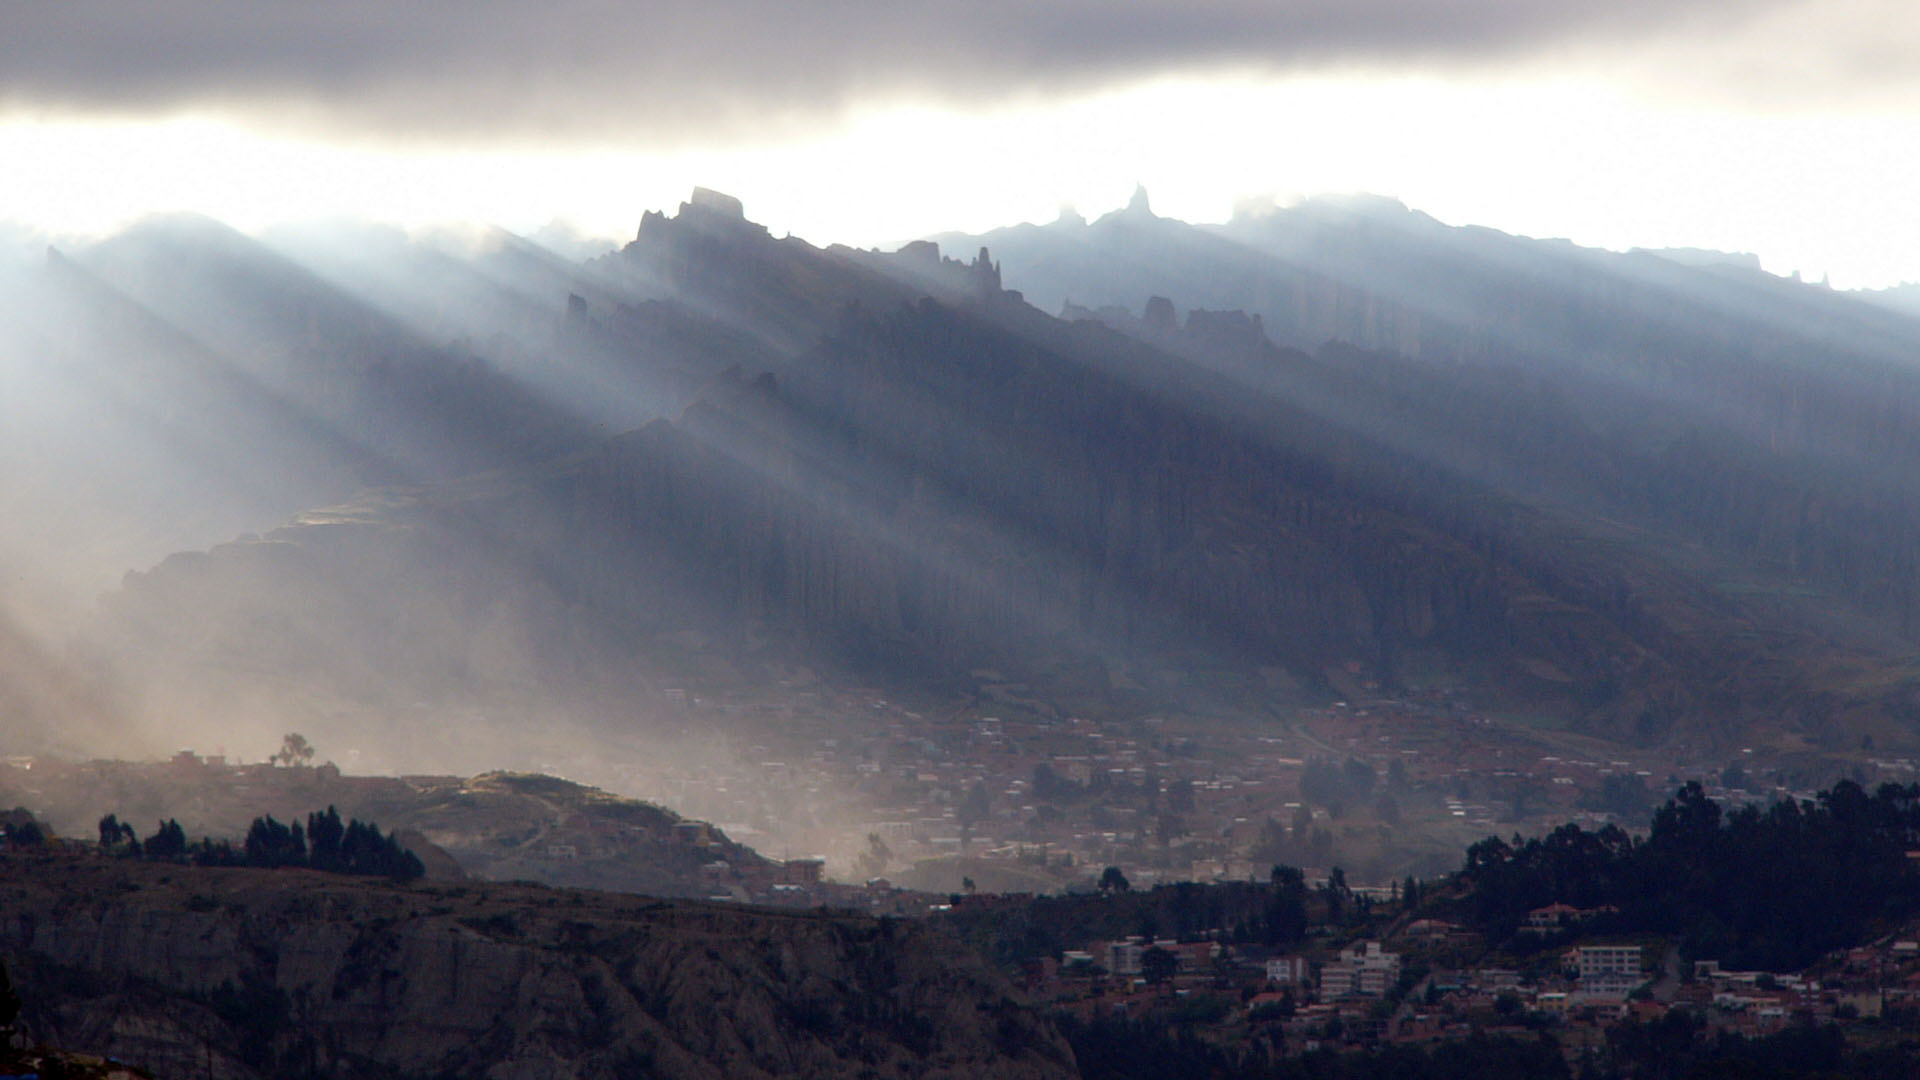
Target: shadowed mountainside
294,973
1761,419
1660,501
940,484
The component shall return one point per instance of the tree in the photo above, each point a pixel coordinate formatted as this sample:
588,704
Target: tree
26,834
1113,881
1321,782
380,854
294,750
1622,795
1157,965
1319,847
325,834
1272,845
114,832
1336,894
1359,776
1180,796
871,862
1168,827
269,843
975,807
168,841
9,1001
1286,911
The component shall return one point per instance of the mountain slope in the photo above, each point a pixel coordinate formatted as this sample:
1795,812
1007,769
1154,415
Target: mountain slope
273,973
496,826
924,475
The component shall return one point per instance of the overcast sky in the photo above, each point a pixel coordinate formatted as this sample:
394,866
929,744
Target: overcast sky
1787,127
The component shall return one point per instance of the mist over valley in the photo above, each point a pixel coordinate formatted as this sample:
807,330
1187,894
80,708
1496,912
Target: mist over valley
452,503
1055,561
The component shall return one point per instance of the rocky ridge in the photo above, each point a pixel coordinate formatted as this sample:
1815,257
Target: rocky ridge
245,974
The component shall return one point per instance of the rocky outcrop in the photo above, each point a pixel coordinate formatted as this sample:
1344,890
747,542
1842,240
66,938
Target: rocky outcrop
717,203
272,974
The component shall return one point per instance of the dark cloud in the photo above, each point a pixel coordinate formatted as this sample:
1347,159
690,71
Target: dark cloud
568,66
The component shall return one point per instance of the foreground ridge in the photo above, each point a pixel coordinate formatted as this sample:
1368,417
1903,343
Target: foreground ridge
297,973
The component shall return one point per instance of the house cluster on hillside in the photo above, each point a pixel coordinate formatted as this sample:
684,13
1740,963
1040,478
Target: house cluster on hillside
1029,797
1120,969
1369,991
1033,797
1038,793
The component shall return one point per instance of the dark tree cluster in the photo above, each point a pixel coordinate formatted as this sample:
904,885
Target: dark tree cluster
1677,1046
1302,844
1326,784
1769,888
18,829
9,1001
1268,913
1622,795
324,843
29,835
1673,1048
1149,1048
1104,790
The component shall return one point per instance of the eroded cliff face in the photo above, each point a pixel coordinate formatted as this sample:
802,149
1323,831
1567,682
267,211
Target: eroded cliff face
267,974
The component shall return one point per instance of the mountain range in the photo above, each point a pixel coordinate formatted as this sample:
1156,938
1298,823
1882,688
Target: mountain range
1133,463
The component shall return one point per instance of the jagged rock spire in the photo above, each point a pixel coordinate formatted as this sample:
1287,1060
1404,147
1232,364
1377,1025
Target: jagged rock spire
986,273
719,202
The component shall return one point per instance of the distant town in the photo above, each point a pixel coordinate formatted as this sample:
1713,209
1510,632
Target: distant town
1411,987
1019,796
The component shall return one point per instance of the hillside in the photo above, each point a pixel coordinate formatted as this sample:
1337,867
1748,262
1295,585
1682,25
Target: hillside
1641,498
274,974
497,826
1751,417
945,484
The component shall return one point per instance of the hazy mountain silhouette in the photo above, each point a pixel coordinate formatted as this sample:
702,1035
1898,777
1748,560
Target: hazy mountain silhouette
1758,418
1653,507
1903,298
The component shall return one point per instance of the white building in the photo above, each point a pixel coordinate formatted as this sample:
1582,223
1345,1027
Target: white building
1287,970
1598,960
1366,968
1608,973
